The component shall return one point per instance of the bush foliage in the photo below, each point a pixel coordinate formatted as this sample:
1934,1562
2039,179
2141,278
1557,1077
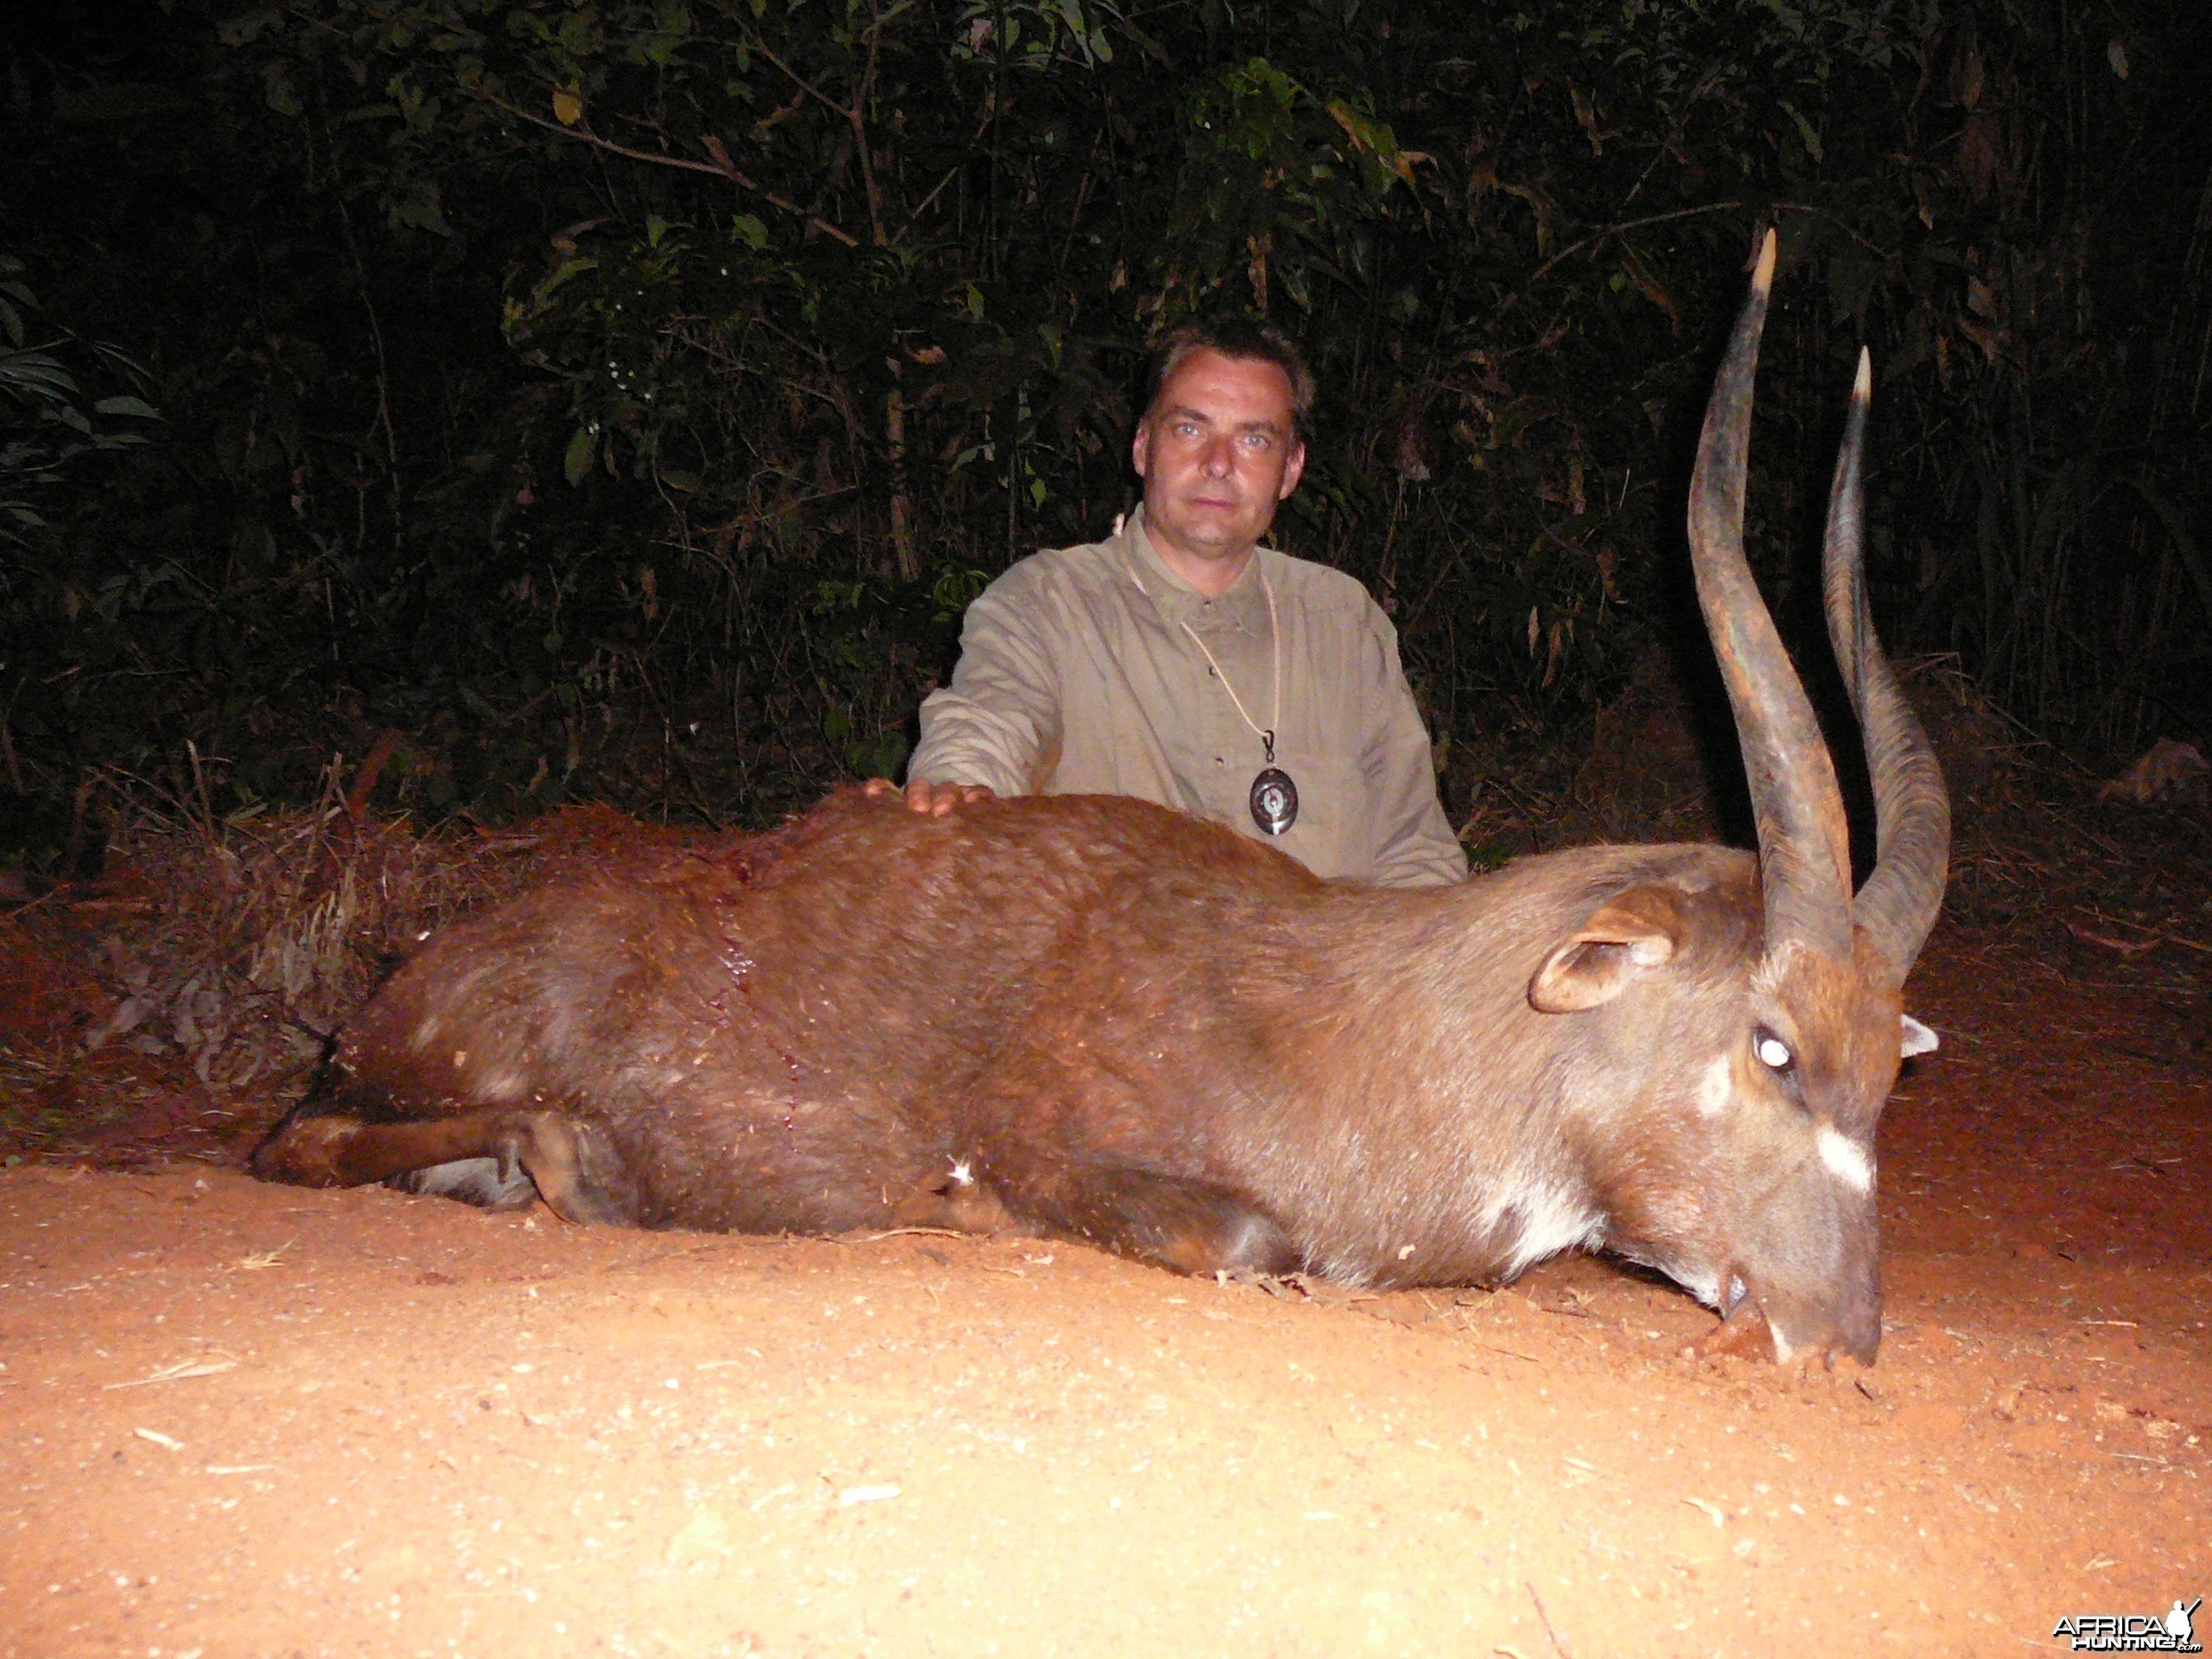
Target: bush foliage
622,400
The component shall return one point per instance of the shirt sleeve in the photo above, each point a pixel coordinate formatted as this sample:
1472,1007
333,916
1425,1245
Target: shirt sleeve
1414,843
1001,715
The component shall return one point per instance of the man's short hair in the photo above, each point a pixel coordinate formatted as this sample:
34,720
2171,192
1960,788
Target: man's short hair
1242,339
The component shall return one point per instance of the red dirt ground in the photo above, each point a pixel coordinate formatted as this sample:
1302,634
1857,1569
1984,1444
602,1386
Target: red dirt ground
245,1420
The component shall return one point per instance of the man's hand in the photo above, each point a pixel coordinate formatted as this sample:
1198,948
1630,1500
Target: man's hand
935,799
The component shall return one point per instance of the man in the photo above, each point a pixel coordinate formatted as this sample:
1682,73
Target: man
1180,662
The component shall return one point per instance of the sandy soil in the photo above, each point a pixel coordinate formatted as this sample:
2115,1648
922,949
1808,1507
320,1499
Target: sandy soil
238,1419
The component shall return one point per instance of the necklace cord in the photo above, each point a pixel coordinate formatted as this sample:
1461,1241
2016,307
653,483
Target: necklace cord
1274,635
1274,632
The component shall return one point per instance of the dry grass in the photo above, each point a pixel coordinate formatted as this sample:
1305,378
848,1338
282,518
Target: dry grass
203,979
257,940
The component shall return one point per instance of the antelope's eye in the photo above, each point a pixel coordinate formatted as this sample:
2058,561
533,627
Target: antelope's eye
1773,1052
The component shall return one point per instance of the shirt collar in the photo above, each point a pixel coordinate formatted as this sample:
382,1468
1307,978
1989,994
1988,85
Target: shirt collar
1244,607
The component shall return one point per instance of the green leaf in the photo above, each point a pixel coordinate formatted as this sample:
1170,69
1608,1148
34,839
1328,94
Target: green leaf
567,269
418,206
583,448
136,407
245,28
1805,131
36,374
277,90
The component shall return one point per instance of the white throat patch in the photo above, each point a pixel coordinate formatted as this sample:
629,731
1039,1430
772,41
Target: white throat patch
1554,1217
1846,1159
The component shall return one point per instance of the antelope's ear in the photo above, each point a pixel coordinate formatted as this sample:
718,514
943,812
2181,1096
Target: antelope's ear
1630,934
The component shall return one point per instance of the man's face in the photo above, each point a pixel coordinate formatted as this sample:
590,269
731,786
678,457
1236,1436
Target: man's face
1217,452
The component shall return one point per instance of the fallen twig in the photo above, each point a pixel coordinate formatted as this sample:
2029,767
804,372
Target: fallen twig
178,1372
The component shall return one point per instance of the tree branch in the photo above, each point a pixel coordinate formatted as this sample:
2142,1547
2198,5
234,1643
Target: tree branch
721,167
1602,231
853,115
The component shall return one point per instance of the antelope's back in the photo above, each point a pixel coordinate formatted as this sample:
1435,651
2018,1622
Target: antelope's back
862,948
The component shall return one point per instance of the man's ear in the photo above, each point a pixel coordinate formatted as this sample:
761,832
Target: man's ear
1293,468
1629,935
1140,446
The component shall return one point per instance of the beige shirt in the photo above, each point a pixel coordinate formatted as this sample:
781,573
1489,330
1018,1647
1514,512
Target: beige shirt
1077,677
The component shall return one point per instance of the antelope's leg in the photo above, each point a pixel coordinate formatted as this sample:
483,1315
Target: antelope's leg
486,1183
570,1164
957,1203
1192,1226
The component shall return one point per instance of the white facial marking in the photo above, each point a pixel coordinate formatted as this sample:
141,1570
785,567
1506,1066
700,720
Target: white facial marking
1714,1092
1774,1051
1846,1159
962,1174
1917,1039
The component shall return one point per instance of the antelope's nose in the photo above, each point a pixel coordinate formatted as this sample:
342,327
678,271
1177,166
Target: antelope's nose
1819,1322
1854,1331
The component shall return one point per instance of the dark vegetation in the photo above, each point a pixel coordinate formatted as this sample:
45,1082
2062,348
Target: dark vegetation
546,401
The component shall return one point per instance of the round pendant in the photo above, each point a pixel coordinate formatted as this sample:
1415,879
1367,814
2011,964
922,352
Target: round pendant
1274,801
